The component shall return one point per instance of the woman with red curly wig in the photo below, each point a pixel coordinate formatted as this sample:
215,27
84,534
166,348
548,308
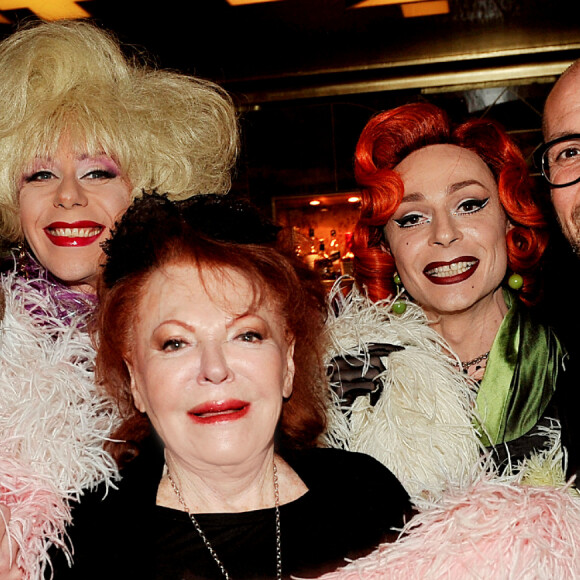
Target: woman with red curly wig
448,214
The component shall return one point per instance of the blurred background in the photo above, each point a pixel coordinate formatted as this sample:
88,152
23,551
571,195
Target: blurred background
307,75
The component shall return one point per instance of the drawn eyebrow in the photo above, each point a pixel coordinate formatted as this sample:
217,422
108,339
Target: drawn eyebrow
418,196
191,327
461,184
176,322
412,197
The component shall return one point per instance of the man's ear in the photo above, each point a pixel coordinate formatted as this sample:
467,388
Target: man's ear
137,399
289,372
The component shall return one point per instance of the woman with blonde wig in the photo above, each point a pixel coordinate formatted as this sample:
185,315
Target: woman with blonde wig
84,129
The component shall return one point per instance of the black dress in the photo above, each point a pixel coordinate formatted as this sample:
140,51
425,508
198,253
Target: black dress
352,504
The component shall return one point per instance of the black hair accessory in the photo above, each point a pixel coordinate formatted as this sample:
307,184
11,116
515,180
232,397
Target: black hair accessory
154,219
227,219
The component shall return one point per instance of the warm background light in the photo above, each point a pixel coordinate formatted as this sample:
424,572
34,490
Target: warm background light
410,8
425,8
47,9
241,2
315,202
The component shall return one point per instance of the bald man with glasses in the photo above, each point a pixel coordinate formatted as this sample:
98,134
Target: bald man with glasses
559,157
559,161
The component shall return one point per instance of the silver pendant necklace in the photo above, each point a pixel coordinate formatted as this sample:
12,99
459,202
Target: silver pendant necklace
207,542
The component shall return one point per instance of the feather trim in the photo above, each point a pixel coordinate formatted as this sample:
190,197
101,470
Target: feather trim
547,466
53,421
422,426
496,529
39,513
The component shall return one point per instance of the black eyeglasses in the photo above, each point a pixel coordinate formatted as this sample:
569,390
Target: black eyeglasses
559,160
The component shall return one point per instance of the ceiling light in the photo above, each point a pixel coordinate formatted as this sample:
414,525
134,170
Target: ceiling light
429,8
369,3
47,9
241,2
410,8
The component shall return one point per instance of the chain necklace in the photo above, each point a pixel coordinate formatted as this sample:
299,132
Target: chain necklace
207,542
465,365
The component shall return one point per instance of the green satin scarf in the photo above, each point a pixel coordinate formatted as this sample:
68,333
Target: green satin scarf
520,376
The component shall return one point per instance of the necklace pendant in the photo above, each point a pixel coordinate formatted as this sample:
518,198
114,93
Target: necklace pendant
207,543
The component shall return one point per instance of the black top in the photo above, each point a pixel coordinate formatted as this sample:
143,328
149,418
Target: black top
559,308
351,505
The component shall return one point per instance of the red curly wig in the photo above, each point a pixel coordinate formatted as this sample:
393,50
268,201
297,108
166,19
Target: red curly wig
391,136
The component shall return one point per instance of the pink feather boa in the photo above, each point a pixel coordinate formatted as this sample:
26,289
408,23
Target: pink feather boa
53,419
493,530
38,514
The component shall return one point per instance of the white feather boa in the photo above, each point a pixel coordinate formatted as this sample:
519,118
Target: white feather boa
52,420
421,428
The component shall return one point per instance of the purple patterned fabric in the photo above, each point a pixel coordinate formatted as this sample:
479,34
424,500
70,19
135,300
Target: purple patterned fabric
61,302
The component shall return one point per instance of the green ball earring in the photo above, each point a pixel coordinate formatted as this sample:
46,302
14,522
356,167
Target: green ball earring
515,281
399,306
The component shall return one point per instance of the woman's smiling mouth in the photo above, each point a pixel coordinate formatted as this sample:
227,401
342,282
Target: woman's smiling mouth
219,411
452,272
73,234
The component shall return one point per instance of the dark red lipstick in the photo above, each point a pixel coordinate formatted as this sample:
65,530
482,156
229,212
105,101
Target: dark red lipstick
75,234
219,411
458,270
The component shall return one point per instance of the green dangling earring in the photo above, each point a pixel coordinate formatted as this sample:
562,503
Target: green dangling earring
515,281
399,306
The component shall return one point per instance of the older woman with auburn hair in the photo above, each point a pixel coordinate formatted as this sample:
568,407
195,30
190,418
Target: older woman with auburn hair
84,129
448,215
209,337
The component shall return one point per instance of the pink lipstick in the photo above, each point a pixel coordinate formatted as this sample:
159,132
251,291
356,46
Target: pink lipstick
81,233
452,272
219,411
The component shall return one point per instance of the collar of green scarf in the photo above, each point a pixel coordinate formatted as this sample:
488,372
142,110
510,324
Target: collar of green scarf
520,376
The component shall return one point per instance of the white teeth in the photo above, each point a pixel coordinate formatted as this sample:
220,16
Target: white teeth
450,269
214,413
75,232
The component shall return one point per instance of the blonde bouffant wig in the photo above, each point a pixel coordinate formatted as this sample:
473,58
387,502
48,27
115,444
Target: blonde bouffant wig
168,132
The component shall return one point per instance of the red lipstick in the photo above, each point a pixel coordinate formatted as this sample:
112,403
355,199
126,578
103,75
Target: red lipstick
458,270
75,234
219,411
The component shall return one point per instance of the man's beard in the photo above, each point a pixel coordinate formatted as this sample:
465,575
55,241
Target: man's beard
573,234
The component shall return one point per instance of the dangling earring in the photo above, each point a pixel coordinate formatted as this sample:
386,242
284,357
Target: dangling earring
515,281
20,250
21,259
399,306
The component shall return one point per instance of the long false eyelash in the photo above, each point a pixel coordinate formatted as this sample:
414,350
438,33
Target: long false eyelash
404,221
478,203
